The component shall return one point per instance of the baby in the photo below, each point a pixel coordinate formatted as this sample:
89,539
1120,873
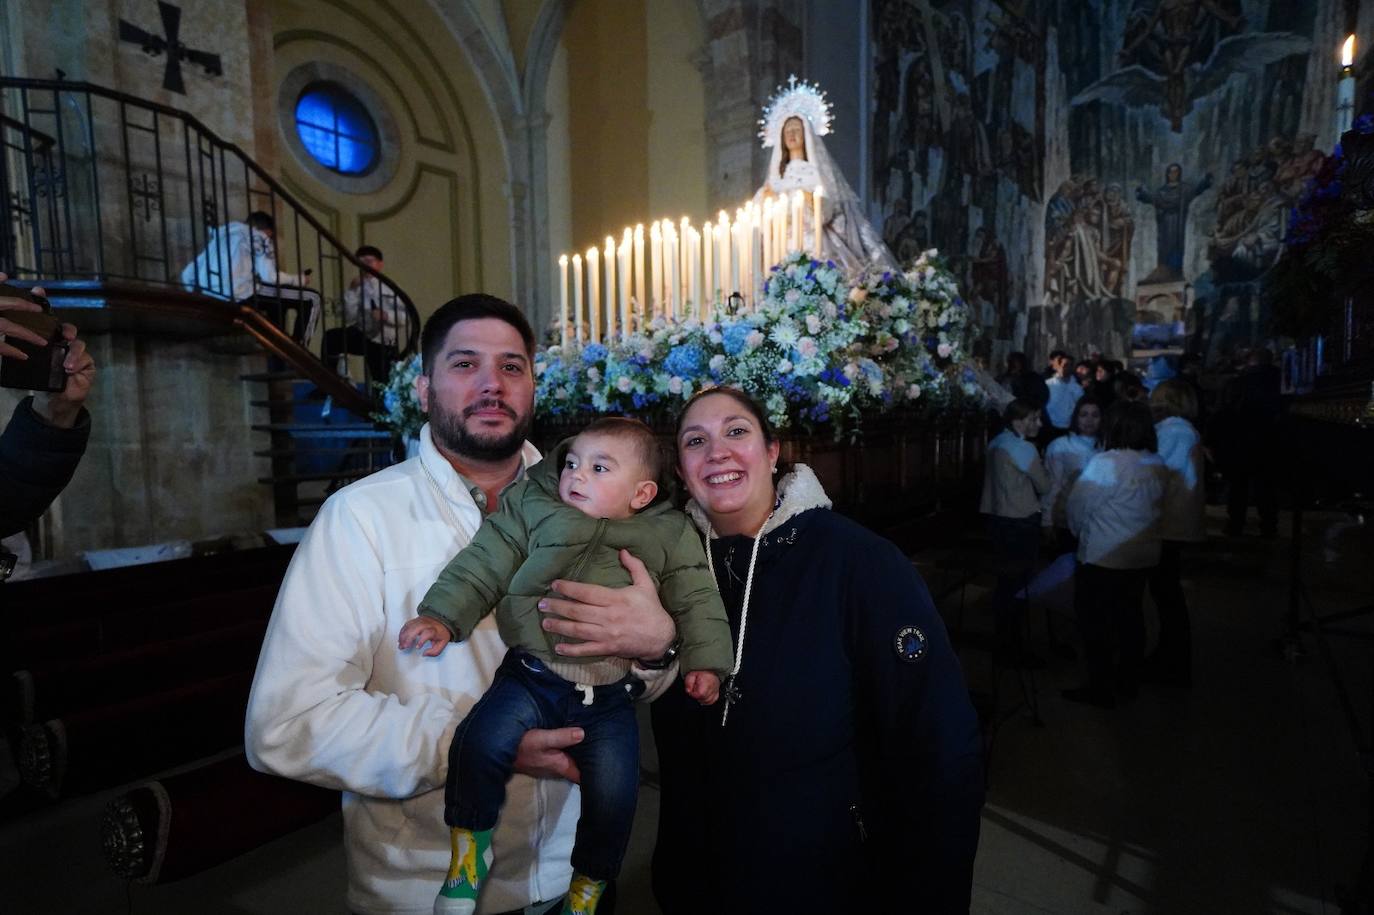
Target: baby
597,494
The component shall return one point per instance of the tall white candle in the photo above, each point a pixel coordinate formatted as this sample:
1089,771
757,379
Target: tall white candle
768,230
608,259
778,241
727,279
694,272
594,294
626,252
684,259
641,299
708,279
672,302
1345,88
655,270
797,242
563,300
577,297
816,196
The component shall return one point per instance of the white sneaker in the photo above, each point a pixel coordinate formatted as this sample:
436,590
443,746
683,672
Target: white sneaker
444,905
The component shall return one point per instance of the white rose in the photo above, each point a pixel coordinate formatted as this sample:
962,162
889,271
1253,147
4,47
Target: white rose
913,391
754,340
717,362
594,373
784,366
813,324
675,385
944,349
623,384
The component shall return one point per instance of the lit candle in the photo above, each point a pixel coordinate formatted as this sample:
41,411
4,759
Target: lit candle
684,279
655,270
1345,89
797,242
609,257
736,251
768,230
672,301
708,280
563,299
727,282
577,297
816,196
640,299
778,241
594,294
694,271
626,251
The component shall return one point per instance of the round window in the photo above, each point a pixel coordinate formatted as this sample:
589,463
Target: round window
336,129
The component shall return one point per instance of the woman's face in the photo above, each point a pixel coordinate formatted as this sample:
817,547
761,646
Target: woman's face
1089,419
726,464
794,138
1029,427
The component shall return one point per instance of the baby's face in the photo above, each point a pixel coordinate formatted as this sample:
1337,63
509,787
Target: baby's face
603,476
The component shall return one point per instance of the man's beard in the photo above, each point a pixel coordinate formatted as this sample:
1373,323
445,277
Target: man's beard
450,432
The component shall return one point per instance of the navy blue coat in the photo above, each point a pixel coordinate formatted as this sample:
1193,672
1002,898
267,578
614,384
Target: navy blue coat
36,463
850,770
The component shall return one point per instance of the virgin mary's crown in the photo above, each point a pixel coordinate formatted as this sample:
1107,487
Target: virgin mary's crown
796,99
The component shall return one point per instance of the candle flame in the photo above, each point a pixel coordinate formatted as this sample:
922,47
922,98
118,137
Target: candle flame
577,260
1348,51
562,260
592,253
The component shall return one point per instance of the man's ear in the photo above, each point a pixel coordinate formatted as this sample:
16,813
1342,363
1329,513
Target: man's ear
645,491
422,391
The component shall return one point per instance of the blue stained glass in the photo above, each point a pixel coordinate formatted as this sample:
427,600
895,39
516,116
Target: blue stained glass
336,130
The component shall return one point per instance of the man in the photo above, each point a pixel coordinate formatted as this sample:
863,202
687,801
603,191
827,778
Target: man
376,322
1064,391
335,703
46,436
240,263
1022,382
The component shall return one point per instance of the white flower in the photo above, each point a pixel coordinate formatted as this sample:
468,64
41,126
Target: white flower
851,370
717,362
623,384
784,366
539,368
754,340
901,305
944,349
647,353
785,334
716,338
675,384
813,324
791,296
807,347
913,391
901,325
594,373
829,310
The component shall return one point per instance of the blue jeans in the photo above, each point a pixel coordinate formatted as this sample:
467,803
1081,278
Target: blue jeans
526,695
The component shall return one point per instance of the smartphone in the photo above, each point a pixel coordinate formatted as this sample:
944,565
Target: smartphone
43,370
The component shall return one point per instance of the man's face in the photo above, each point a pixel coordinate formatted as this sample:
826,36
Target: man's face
373,262
1058,363
479,394
604,477
1173,174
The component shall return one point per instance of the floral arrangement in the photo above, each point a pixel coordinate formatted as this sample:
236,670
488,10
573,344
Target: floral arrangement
817,351
1328,241
401,411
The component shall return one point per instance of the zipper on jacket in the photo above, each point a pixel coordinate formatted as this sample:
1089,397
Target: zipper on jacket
576,571
858,822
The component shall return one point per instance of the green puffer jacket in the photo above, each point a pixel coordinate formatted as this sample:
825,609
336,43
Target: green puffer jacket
533,539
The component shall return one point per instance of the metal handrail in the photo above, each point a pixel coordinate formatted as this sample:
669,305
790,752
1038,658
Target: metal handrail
97,236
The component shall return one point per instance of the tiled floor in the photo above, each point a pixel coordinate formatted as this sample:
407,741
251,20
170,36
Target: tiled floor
1243,795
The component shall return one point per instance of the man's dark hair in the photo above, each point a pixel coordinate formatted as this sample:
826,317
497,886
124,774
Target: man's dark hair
626,428
1129,424
1058,354
260,220
470,308
1018,410
369,251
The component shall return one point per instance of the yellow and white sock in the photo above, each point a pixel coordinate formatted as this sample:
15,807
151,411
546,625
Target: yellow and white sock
583,895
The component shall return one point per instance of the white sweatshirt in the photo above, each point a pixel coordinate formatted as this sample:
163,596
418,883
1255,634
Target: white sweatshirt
1064,460
1114,509
1185,501
1013,477
334,703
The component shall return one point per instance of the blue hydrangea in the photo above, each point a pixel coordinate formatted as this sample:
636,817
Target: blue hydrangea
593,353
686,361
734,338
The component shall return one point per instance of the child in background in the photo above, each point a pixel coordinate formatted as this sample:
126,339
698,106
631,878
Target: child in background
597,494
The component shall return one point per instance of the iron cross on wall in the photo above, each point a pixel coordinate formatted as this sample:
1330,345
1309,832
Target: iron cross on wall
171,45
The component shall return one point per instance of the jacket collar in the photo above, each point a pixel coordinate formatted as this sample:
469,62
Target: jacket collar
455,487
798,491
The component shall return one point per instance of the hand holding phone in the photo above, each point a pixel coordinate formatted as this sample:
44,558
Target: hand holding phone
35,350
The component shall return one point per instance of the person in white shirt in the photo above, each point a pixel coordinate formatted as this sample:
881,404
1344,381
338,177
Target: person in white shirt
376,322
335,704
1064,460
239,262
1064,391
1014,481
1114,510
1174,405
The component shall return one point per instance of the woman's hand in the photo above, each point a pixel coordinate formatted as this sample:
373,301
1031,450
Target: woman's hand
627,622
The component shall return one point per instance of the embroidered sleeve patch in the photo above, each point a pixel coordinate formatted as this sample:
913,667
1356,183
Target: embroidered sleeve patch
910,643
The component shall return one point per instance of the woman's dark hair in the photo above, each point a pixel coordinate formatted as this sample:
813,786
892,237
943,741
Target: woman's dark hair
1128,386
469,308
1086,401
1018,410
746,403
1129,424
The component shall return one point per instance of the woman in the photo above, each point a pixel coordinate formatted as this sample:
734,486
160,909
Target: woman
1174,406
800,162
1114,510
1064,460
841,769
1014,482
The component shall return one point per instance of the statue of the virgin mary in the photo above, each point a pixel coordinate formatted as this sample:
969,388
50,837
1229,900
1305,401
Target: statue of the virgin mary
792,126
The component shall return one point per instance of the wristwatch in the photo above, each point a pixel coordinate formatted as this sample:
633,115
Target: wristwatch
668,658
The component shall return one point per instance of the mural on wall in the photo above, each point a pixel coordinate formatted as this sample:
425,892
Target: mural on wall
1110,177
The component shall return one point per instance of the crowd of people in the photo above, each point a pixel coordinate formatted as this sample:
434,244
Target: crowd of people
1116,474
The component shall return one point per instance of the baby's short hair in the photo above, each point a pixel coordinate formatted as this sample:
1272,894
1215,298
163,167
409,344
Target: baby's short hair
632,430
